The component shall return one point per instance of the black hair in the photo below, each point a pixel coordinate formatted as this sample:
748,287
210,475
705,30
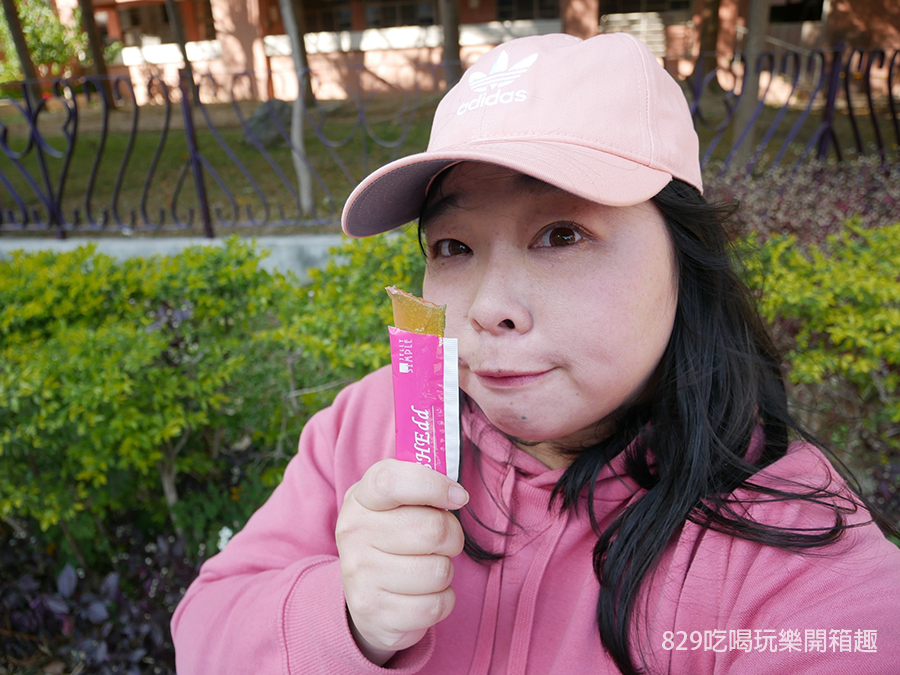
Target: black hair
719,381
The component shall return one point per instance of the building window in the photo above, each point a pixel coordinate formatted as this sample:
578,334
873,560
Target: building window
793,11
102,20
516,10
145,25
387,13
634,6
327,15
149,24
206,28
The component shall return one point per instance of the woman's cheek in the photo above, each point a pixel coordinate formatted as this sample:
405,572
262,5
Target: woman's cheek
430,288
441,290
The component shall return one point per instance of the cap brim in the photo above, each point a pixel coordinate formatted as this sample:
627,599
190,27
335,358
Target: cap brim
394,195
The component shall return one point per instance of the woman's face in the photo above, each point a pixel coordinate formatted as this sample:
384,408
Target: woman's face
562,307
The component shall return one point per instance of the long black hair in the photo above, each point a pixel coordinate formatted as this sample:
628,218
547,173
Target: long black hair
719,381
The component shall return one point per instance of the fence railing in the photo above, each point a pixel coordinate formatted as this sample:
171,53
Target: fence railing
829,92
79,161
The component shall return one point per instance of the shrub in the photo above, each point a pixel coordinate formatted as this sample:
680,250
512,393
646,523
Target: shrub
326,334
835,310
95,353
813,201
125,385
346,308
119,377
55,617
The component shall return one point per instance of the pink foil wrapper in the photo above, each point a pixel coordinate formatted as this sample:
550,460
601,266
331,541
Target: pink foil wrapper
426,399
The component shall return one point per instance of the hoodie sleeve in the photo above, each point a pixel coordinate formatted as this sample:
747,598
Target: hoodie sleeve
748,609
272,602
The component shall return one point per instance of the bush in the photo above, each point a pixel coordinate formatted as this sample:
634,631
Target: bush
125,383
813,200
835,311
117,378
56,619
106,370
342,320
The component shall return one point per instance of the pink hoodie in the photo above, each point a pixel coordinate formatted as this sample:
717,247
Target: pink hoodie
272,601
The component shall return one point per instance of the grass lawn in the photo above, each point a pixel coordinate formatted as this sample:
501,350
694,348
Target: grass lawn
347,154
353,154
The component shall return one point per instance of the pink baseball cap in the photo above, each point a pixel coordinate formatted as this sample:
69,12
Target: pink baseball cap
598,118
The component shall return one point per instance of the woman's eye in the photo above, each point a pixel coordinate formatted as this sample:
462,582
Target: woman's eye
559,235
449,247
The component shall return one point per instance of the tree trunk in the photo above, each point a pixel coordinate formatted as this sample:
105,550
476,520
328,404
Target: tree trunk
89,25
298,149
449,10
16,526
31,87
167,476
754,43
70,540
174,12
709,36
305,83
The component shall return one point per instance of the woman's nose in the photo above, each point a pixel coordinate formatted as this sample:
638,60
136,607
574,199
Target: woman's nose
499,304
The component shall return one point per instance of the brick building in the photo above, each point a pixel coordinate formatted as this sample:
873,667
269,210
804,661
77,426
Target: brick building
396,41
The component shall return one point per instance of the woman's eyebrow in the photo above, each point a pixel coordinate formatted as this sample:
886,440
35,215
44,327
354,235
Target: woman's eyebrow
439,208
451,202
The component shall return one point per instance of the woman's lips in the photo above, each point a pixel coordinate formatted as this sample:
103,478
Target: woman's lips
508,378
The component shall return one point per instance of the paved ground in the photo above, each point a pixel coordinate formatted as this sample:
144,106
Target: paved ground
297,253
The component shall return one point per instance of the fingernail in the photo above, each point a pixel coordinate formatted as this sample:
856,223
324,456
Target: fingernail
458,496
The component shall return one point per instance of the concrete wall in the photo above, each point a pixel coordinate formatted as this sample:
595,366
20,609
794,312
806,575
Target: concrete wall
296,253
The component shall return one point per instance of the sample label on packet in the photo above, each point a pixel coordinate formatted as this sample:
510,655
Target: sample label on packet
426,399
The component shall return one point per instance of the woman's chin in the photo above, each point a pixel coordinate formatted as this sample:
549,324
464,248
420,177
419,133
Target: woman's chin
523,429
546,431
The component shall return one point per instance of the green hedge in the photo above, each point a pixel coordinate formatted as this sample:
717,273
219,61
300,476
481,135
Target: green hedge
172,391
173,388
841,302
835,311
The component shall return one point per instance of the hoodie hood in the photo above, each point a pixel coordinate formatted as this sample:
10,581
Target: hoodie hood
513,516
613,484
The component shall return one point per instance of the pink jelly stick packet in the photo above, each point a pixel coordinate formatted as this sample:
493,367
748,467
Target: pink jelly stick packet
426,399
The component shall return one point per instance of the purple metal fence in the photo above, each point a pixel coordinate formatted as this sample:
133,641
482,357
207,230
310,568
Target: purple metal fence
36,175
823,77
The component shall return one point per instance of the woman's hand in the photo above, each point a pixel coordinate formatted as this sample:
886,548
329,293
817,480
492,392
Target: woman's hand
395,538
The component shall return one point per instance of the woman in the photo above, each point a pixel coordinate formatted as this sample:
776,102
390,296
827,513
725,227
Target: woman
630,496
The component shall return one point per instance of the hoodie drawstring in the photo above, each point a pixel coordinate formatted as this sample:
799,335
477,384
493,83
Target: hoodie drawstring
521,640
487,628
527,604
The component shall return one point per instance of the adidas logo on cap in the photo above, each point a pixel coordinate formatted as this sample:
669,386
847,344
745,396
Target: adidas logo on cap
500,75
